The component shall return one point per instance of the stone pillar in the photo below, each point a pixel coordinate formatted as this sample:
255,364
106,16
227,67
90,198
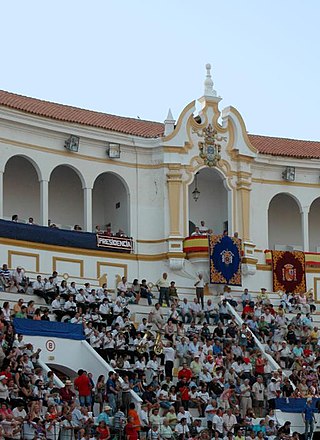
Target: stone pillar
1,194
305,227
244,193
174,179
44,201
87,206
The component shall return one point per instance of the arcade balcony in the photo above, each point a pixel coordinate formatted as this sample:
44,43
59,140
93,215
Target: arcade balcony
61,237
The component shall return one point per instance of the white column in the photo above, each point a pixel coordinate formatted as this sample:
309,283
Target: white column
87,206
1,194
305,227
44,200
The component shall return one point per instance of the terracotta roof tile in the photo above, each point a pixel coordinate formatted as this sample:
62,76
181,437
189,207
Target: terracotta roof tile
286,147
60,112
147,129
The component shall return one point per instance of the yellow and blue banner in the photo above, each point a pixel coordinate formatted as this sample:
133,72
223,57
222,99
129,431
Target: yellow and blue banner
225,260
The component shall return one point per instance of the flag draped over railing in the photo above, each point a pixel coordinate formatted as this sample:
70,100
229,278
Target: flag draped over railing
225,260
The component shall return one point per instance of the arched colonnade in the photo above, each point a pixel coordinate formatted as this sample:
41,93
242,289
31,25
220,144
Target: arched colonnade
66,196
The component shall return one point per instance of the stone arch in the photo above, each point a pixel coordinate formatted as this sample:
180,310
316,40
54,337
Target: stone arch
314,226
65,204
213,205
284,222
21,188
111,206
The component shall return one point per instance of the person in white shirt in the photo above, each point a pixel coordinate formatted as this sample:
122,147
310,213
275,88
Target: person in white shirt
143,326
184,310
77,319
95,339
163,287
169,357
258,390
272,393
4,393
217,422
183,414
72,289
123,287
229,421
199,285
18,278
166,432
38,287
202,228
81,299
50,289
70,305
19,413
104,308
182,428
196,312
196,232
92,297
211,312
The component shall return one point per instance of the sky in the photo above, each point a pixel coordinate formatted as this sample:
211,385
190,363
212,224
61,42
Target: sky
138,58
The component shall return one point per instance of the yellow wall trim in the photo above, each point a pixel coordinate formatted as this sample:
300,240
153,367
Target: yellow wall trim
285,183
101,264
264,267
247,260
78,251
161,240
68,260
82,156
24,254
191,255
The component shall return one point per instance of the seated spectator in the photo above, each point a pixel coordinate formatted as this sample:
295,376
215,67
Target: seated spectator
6,280
120,234
39,287
108,232
20,281
196,232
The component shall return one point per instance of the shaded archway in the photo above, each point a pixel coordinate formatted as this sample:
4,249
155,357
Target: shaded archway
212,204
284,223
65,197
110,202
314,226
21,189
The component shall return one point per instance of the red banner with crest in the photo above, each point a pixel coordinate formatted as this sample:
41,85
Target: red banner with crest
288,269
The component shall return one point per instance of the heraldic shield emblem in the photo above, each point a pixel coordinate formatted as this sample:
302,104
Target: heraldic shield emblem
225,260
289,272
209,148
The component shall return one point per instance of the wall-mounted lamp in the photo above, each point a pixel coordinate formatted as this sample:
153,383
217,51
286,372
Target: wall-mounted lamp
196,192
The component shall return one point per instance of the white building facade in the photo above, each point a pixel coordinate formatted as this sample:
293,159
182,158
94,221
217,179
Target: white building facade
266,189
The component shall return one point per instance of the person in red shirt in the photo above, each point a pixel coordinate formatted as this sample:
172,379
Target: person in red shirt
103,430
259,367
185,373
247,310
83,385
130,430
66,393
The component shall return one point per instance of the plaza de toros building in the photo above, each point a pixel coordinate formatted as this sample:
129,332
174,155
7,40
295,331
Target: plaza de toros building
156,182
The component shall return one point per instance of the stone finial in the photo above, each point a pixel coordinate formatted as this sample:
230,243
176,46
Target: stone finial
208,83
169,123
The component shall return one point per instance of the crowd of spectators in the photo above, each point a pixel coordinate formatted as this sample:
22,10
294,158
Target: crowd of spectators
105,230
222,377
